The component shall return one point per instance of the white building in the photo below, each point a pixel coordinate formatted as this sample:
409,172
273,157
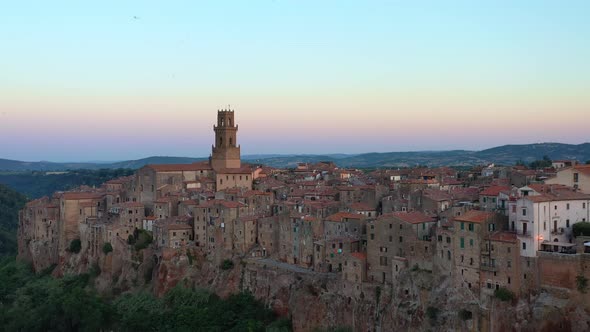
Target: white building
544,221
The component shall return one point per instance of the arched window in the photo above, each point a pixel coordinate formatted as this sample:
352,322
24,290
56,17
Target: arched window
231,141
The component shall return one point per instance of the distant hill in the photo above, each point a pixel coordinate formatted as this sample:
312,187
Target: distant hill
506,155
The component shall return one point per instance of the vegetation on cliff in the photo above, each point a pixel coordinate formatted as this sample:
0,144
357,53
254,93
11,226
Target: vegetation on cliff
39,184
39,302
10,203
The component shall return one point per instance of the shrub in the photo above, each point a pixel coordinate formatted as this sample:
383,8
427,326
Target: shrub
75,246
143,239
504,294
582,284
432,312
465,314
581,228
107,247
227,265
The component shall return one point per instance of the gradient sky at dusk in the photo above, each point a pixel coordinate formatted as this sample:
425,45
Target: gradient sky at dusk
116,80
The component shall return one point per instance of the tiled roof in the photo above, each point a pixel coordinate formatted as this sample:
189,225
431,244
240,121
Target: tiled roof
360,255
81,195
475,216
340,216
504,237
412,217
493,190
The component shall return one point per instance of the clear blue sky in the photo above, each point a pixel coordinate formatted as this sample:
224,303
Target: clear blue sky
115,80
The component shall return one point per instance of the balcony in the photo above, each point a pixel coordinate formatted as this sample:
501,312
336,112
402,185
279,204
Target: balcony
557,231
524,233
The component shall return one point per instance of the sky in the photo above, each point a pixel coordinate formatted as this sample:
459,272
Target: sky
119,80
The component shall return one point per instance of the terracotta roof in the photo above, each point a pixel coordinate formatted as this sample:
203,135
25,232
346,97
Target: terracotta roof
583,169
411,217
558,195
360,206
475,216
227,204
504,237
493,190
340,216
360,255
81,195
437,195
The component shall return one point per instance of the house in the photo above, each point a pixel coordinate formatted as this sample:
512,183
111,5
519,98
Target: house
544,221
577,177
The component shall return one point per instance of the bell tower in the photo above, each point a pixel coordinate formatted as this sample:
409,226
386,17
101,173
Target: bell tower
226,152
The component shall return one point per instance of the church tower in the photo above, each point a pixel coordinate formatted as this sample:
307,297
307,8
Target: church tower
226,152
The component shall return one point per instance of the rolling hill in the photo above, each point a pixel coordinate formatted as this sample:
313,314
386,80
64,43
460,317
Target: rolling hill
506,155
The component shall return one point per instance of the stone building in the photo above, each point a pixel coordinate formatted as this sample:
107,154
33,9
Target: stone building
398,237
469,231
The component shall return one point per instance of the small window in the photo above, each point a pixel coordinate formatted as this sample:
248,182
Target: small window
524,212
524,246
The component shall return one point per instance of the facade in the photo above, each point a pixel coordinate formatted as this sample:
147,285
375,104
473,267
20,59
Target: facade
576,177
544,222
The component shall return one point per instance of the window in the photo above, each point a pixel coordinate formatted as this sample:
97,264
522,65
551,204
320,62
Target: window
509,263
524,212
372,236
383,261
448,239
508,249
583,205
390,238
383,249
401,239
470,261
462,226
390,226
567,206
513,208
524,246
462,243
470,227
471,242
555,207
567,223
576,177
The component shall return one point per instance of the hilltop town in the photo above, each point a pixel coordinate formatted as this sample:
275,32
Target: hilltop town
374,250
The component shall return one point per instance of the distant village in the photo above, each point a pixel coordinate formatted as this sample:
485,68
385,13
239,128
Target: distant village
487,228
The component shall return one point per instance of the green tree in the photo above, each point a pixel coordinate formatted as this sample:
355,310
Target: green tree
581,228
107,247
75,246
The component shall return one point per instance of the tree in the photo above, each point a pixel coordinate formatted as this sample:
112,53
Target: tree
581,228
107,247
543,163
504,294
227,264
75,246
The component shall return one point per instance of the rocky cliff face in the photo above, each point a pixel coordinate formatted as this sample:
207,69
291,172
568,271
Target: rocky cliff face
419,301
